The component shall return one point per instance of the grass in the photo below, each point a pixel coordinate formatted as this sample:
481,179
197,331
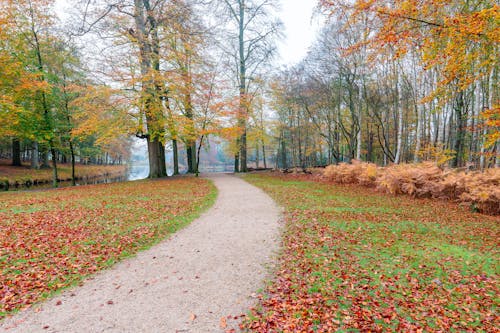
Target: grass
355,260
53,239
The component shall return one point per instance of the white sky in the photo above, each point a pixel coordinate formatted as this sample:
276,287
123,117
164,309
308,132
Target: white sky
297,17
300,29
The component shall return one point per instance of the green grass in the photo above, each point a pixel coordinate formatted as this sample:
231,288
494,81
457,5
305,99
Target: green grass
354,259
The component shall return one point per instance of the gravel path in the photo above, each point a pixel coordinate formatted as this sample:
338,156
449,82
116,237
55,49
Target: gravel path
205,272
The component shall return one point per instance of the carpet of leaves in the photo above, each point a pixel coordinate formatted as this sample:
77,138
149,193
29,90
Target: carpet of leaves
52,239
355,260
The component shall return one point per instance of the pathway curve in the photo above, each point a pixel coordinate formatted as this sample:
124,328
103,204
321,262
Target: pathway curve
187,283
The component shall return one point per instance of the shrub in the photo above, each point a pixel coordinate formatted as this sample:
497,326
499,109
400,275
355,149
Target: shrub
481,190
355,173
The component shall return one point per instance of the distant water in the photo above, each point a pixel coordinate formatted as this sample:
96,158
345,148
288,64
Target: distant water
137,171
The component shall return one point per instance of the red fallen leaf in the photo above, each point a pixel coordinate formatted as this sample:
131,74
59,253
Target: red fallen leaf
110,302
59,302
222,322
46,327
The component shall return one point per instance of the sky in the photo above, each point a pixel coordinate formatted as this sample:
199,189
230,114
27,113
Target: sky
300,29
299,24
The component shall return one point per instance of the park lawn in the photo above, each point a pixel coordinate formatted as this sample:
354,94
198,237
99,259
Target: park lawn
23,174
354,260
52,239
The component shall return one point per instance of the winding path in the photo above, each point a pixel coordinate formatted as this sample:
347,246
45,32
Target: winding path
187,283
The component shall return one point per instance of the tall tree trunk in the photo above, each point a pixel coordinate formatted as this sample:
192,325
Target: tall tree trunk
243,107
359,136
399,110
156,152
237,162
283,152
44,102
460,114
55,177
16,152
264,154
152,92
189,155
176,157
257,157
418,135
72,152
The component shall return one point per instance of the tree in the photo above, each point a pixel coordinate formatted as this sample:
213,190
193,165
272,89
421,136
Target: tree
256,30
458,39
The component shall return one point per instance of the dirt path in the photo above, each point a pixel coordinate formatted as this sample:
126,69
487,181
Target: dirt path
187,283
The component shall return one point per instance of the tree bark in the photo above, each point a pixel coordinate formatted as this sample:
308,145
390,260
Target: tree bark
460,128
16,152
243,107
176,157
72,151
399,110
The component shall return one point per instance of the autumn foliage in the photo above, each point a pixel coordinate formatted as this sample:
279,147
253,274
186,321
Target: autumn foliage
52,239
481,190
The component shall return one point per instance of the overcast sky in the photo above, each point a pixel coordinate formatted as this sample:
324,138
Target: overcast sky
300,29
297,17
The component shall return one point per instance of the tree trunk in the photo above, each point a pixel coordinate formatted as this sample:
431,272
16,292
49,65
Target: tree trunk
257,157
283,153
16,152
460,129
72,152
237,162
416,158
264,154
243,107
176,157
55,177
156,152
360,123
148,43
399,110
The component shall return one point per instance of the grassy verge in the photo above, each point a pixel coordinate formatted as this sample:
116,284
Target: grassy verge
355,261
53,239
23,175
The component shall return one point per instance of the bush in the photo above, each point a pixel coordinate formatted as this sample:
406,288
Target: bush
355,173
479,189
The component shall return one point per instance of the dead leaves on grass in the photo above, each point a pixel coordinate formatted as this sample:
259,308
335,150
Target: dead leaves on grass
361,261
50,240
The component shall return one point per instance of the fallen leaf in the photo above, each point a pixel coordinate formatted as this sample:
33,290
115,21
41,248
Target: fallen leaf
223,323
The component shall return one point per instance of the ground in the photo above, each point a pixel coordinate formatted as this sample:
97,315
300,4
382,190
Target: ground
351,260
355,260
199,280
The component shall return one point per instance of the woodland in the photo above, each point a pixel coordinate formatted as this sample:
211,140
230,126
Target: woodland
382,146
385,82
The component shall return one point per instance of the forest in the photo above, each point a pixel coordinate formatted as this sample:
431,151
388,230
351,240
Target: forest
384,82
